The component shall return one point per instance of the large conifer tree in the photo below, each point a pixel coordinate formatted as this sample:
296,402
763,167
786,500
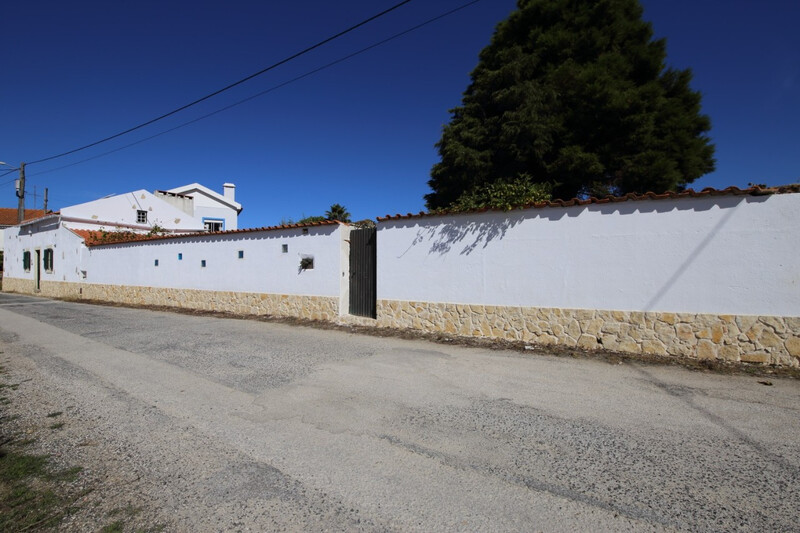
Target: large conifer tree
575,93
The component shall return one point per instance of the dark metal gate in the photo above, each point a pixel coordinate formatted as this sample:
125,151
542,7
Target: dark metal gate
363,273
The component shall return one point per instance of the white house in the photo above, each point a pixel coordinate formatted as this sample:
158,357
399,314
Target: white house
138,211
218,212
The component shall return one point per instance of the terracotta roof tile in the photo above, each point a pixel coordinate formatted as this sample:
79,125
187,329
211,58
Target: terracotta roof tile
8,215
95,238
688,193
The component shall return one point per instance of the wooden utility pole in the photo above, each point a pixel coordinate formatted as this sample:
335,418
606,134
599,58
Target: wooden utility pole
45,200
21,194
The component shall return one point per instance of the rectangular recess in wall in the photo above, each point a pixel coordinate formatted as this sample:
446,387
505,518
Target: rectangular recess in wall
284,248
241,254
156,262
202,263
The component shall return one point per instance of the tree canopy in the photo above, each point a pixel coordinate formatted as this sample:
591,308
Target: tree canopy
338,212
575,94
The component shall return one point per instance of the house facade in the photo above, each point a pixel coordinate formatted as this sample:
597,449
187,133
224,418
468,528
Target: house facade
137,211
8,218
217,212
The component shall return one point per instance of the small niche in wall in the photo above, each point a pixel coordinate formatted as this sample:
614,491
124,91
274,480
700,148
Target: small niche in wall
284,248
202,263
241,254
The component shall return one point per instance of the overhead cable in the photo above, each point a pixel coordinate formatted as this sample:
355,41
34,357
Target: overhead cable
227,87
266,91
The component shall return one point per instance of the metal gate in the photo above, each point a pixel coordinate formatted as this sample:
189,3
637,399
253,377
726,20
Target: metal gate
363,273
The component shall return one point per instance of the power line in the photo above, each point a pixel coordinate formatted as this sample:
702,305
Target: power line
266,91
232,85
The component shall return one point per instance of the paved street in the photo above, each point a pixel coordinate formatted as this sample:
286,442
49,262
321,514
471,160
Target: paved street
238,424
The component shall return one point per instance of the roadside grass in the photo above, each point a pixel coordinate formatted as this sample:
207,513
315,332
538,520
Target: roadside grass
32,492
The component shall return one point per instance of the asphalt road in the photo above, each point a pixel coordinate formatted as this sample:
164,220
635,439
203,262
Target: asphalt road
237,425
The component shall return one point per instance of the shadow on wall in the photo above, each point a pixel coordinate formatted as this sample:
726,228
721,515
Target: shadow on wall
465,233
469,231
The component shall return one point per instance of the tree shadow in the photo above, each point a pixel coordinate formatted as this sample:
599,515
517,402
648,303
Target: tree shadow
464,233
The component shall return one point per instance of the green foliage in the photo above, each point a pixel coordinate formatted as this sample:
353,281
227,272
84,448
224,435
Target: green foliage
574,92
337,212
309,220
503,194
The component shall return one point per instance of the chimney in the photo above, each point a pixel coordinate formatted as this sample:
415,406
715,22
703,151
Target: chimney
229,191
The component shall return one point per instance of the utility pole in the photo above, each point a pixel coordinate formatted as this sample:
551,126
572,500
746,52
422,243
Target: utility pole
45,200
21,194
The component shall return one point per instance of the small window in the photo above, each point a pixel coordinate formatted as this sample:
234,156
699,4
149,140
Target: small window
307,263
141,216
214,225
156,262
305,231
26,261
241,254
180,256
48,259
285,248
203,263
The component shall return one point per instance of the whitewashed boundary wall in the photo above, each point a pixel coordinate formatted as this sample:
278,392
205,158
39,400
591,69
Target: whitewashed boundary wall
253,272
712,277
708,277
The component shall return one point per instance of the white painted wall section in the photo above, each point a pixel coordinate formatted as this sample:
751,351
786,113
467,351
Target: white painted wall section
721,255
263,268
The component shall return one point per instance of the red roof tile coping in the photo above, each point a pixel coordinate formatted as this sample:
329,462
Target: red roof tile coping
95,237
688,193
8,215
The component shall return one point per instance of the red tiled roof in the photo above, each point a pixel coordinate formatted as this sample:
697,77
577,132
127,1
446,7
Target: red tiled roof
96,238
8,215
688,193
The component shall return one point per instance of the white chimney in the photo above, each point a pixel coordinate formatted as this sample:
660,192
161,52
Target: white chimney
229,191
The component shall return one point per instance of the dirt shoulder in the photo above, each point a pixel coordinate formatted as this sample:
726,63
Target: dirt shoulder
58,471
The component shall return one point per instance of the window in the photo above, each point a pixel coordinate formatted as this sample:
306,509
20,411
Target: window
48,259
141,216
156,262
285,248
202,263
241,254
26,260
180,256
307,262
214,224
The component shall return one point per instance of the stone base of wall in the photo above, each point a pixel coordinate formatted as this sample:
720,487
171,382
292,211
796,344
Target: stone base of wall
286,305
752,339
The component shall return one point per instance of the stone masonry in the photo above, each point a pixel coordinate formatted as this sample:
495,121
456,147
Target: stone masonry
246,303
753,339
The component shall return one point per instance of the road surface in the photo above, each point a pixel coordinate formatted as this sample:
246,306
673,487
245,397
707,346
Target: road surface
244,425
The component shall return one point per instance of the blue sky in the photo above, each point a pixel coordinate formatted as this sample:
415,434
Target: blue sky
360,133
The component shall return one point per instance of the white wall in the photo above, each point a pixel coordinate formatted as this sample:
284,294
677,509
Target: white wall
68,250
122,209
264,268
724,255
